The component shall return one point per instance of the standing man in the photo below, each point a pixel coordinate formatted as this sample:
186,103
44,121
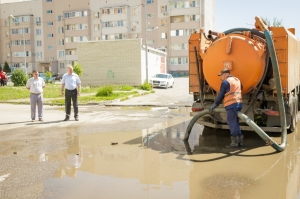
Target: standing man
72,86
36,85
231,92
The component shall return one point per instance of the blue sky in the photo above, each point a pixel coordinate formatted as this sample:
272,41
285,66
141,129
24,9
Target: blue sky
239,13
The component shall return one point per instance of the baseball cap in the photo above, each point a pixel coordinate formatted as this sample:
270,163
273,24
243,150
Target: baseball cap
223,71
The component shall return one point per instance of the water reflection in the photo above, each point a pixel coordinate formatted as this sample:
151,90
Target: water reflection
156,163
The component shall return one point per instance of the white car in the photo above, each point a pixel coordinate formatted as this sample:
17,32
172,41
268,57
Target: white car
162,80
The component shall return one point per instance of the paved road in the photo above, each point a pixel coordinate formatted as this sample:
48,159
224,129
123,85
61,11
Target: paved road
179,95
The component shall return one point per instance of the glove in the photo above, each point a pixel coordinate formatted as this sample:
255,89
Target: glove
212,108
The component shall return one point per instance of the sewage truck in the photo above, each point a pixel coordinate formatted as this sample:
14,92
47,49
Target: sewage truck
245,54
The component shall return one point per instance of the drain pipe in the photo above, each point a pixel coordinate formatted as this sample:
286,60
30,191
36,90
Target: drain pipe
245,118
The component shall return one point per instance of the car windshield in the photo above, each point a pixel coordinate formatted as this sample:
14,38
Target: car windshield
161,76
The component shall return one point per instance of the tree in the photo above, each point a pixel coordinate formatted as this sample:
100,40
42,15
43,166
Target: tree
19,77
6,67
48,75
77,68
275,23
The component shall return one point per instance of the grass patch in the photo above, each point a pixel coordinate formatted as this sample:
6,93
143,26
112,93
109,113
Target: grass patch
96,99
145,86
105,91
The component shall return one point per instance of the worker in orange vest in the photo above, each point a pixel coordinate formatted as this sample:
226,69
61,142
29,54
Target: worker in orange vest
231,92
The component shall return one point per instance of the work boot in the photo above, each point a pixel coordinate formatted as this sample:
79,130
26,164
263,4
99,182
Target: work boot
234,142
241,140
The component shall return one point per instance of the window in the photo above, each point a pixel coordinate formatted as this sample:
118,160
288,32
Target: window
50,58
184,32
50,47
75,14
194,4
150,15
75,39
38,21
6,23
135,11
61,53
108,24
49,11
8,55
116,10
61,65
177,19
135,24
20,42
60,30
61,42
164,9
6,33
49,35
97,15
150,1
48,0
114,36
38,43
21,54
179,60
191,17
71,52
76,27
38,31
177,4
20,31
39,55
20,19
135,36
164,22
164,35
97,38
97,27
180,46
59,18
50,23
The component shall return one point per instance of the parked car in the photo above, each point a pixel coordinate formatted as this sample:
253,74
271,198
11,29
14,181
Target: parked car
50,80
57,76
164,80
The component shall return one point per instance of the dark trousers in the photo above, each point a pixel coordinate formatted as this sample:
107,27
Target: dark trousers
71,94
233,122
2,81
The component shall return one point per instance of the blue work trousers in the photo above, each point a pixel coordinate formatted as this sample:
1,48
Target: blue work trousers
233,122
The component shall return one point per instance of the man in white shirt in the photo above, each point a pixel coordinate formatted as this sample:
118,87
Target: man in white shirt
36,85
72,85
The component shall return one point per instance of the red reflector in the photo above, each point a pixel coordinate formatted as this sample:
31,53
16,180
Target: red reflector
197,109
275,113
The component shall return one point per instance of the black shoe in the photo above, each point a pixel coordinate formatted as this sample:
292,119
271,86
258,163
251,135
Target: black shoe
67,118
76,118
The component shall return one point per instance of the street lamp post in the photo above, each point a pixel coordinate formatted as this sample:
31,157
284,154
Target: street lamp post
146,45
23,44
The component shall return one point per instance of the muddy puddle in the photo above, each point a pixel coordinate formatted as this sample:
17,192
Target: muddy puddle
156,163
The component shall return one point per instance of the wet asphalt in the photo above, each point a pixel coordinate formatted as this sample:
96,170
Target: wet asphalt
138,152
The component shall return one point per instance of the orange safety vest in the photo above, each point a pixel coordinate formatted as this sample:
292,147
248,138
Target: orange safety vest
234,95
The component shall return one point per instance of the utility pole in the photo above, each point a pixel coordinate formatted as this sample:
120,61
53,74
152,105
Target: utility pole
146,45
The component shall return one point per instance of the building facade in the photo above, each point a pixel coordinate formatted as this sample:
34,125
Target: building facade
43,34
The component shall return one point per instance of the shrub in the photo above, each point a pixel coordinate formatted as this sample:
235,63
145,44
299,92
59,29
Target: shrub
145,86
77,68
126,88
105,91
48,75
19,78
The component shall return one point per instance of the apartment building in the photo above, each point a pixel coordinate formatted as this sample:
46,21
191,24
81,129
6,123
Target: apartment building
44,33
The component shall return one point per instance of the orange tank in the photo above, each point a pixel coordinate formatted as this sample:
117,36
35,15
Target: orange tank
243,56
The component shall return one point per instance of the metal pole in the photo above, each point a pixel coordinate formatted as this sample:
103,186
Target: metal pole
24,48
146,45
